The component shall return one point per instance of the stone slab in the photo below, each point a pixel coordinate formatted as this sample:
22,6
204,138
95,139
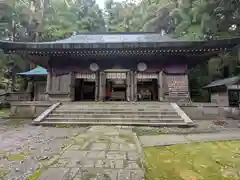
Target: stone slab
99,146
162,140
74,154
213,137
95,154
116,155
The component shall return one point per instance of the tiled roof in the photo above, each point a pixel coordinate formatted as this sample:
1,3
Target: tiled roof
224,82
38,71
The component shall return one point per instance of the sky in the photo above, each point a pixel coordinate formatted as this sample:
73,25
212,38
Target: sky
101,2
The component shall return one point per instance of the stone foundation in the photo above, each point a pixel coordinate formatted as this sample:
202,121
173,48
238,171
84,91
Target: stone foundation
209,111
28,109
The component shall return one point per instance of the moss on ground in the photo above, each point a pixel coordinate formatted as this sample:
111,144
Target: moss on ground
35,175
4,112
149,131
17,157
3,172
208,161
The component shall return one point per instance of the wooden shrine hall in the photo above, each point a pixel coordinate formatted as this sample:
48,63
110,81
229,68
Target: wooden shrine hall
118,66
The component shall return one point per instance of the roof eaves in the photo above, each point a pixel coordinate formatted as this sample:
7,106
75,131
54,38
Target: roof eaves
223,82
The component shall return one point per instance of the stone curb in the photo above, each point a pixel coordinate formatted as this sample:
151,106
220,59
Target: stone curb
140,151
186,139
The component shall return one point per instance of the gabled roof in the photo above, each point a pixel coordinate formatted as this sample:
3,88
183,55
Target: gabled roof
38,71
118,41
224,82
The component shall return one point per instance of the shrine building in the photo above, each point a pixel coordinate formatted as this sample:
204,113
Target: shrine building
118,66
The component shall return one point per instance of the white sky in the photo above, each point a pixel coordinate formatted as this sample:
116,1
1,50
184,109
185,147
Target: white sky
101,2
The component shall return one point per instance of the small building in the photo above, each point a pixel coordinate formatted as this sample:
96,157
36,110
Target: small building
118,66
225,92
38,80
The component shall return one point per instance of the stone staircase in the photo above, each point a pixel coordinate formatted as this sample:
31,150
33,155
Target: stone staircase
117,113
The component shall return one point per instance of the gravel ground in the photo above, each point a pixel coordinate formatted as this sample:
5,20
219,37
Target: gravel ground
25,148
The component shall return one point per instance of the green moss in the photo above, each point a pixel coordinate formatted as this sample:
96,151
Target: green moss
208,161
3,172
35,175
17,157
149,132
4,112
62,126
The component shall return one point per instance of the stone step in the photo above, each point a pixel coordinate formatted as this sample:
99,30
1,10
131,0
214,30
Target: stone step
83,115
116,122
119,111
114,107
103,104
116,103
122,105
113,123
126,109
116,119
115,112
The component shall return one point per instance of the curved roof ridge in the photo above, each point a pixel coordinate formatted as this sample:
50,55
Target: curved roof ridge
117,37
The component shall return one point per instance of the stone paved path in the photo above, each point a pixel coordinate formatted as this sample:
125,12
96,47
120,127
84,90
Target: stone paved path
163,140
44,153
103,153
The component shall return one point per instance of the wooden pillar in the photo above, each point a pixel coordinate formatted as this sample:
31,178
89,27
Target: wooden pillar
72,86
102,86
48,85
160,86
96,86
134,86
128,82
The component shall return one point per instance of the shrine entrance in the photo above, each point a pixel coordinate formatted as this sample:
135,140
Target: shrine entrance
116,86
147,87
85,87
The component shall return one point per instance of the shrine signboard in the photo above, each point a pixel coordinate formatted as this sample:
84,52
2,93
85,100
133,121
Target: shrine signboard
113,75
234,87
85,76
147,76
